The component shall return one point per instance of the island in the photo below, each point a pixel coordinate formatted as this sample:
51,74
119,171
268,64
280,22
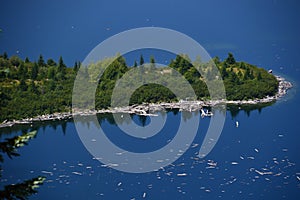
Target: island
42,90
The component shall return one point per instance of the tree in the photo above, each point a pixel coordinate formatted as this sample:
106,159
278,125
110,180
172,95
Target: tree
23,86
5,56
240,74
51,73
152,60
135,64
61,68
216,60
52,84
61,64
234,78
142,60
15,61
152,63
26,188
224,73
41,61
27,60
76,66
242,65
51,62
230,59
33,88
22,71
34,71
259,76
248,74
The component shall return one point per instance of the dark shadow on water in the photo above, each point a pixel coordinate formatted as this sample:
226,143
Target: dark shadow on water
35,126
8,150
236,109
108,119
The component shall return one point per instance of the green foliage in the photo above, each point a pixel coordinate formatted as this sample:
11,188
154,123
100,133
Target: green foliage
216,60
27,60
51,62
51,73
152,93
135,64
61,69
33,88
181,63
224,72
15,61
76,66
22,71
142,60
23,86
9,146
230,59
41,62
152,63
20,190
28,89
34,71
5,56
259,77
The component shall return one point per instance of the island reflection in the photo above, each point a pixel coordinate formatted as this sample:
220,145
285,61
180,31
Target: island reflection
141,120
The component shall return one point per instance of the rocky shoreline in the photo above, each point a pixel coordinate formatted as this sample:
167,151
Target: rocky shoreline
149,109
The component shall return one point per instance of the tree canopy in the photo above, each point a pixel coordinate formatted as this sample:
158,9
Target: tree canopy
28,88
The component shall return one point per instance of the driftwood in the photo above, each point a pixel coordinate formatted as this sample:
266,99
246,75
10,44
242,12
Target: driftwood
149,109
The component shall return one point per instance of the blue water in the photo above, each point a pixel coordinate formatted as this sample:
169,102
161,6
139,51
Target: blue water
264,33
266,140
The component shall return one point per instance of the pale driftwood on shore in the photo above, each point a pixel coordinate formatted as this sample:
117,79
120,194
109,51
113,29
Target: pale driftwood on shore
149,109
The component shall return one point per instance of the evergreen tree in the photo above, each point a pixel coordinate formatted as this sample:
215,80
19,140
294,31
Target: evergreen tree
135,64
52,84
122,62
61,68
240,74
22,71
234,78
259,76
242,65
216,60
76,66
41,61
27,60
34,71
230,60
51,62
152,60
5,56
152,63
23,86
15,61
32,87
61,64
142,60
224,73
248,74
51,73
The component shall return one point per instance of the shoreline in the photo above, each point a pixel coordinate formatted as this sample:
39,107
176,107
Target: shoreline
149,109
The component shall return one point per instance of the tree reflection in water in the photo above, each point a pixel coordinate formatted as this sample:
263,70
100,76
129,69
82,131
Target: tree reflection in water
25,189
9,146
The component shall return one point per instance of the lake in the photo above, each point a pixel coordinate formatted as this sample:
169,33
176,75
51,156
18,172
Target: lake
259,159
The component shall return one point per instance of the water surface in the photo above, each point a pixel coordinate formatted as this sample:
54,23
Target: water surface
266,141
